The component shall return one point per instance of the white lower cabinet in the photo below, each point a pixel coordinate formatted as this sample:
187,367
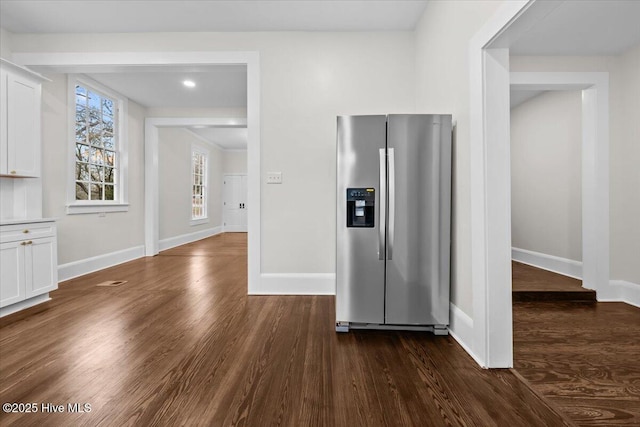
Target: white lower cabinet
28,261
12,283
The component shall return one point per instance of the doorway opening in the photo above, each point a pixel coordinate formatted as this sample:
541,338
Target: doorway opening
193,157
546,196
121,62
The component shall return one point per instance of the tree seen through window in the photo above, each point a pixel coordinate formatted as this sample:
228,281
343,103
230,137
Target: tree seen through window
96,146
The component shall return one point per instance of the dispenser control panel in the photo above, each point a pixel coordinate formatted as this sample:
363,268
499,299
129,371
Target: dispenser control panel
361,206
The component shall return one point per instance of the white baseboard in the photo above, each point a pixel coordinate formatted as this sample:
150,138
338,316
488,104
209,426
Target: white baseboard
461,329
14,308
183,239
235,228
564,266
89,265
621,291
296,284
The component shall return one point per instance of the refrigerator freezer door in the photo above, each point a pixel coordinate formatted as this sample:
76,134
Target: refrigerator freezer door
417,287
359,271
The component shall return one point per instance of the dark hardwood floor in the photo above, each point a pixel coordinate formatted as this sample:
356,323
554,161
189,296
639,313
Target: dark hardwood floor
584,358
534,284
182,344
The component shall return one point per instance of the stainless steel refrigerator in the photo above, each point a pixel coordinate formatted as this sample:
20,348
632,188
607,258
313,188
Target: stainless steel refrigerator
393,222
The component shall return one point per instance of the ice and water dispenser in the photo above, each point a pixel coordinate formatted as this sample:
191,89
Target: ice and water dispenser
361,206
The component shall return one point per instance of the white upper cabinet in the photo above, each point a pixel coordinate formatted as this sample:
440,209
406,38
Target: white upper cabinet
20,100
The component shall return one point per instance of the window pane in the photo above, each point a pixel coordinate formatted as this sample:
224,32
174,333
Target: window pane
108,192
82,171
80,90
107,107
82,152
94,101
108,174
95,132
81,102
81,132
96,192
107,124
97,174
109,158
109,141
81,109
81,190
95,137
97,156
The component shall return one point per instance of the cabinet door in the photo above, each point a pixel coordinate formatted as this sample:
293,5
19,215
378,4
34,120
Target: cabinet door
4,168
41,266
23,126
12,273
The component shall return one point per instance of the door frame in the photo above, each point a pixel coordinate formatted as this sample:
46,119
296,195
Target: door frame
594,87
489,337
84,62
224,227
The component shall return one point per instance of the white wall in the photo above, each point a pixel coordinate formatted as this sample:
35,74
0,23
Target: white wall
234,161
174,160
307,79
85,236
546,200
625,169
442,86
5,44
624,96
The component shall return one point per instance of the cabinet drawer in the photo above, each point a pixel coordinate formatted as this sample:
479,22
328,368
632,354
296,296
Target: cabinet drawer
12,233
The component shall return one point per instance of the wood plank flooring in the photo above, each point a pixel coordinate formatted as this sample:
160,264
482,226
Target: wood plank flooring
182,344
534,284
584,358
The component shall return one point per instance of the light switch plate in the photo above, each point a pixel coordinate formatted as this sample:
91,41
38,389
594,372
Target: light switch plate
274,177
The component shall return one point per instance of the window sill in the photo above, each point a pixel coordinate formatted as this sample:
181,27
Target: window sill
79,208
199,221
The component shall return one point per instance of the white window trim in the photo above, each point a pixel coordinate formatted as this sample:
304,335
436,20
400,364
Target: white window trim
197,148
87,207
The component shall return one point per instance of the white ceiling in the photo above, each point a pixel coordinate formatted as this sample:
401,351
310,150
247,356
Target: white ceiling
220,86
228,138
118,16
596,27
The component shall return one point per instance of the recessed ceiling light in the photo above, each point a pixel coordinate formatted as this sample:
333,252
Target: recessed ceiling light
189,83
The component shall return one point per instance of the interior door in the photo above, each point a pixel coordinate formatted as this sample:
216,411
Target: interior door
235,203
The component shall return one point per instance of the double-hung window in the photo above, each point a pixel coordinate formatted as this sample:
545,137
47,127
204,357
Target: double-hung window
99,149
199,165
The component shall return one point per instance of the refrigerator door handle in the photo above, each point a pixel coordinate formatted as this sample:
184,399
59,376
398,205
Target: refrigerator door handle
382,200
392,203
